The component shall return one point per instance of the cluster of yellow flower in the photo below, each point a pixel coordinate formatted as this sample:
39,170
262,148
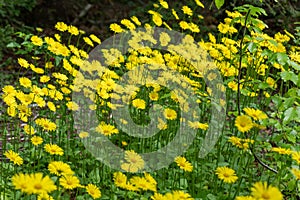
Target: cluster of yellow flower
147,183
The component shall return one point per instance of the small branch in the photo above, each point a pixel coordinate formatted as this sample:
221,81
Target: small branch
262,163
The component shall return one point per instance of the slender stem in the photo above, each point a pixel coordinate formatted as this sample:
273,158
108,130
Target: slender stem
240,63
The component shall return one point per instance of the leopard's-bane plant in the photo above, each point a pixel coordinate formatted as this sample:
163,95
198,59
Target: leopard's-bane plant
259,139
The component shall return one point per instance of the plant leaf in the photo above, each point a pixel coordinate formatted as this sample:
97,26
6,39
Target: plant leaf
219,3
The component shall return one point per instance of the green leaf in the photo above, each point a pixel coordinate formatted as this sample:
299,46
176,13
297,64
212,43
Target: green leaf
290,114
219,3
13,45
294,65
282,58
252,47
289,76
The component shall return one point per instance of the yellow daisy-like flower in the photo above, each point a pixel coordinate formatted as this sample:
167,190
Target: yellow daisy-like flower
139,103
23,62
20,181
36,40
142,183
93,191
61,26
120,179
84,134
262,191
88,41
255,113
106,129
184,164
186,10
170,114
44,196
29,129
95,38
226,174
36,140
133,162
14,157
296,173
281,150
33,183
60,168
72,105
73,30
69,182
296,156
25,82
54,149
39,184
116,28
243,123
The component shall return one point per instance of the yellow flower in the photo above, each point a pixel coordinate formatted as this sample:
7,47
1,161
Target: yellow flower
46,124
184,25
153,96
133,162
262,191
33,183
226,174
60,168
164,39
69,182
36,40
139,103
128,24
25,82
120,179
186,10
14,157
95,38
184,164
198,125
156,18
61,26
296,173
39,184
243,123
281,150
116,28
170,114
164,4
29,129
44,196
73,30
142,184
83,134
255,113
106,129
175,14
20,181
199,3
72,105
54,149
296,156
271,82
93,191
36,140
88,41
136,20
44,79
